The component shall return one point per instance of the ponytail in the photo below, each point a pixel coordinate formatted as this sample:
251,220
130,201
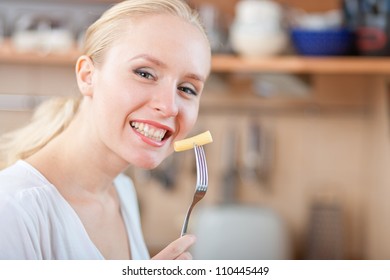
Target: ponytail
48,121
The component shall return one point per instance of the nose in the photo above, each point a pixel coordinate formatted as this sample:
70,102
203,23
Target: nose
165,101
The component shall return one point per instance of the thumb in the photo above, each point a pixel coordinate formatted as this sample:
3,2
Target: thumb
176,249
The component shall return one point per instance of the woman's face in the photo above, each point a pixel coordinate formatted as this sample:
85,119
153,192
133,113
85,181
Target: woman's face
146,93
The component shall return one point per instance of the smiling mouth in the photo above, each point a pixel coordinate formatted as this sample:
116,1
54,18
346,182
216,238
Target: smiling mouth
152,132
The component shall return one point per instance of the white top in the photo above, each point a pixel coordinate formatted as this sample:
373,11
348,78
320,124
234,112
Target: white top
36,222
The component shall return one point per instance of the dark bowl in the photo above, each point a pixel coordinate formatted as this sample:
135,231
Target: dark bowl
327,42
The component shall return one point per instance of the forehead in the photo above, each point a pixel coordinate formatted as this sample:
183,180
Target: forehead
166,37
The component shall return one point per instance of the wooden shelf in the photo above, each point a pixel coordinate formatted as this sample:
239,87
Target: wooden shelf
9,55
230,63
299,64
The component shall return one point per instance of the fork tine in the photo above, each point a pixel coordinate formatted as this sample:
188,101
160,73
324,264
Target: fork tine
198,165
201,165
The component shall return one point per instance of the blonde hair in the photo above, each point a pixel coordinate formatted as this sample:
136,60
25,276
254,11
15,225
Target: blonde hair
49,120
54,116
106,30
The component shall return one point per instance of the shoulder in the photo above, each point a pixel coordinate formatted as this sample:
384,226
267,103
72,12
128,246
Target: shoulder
20,177
22,188
19,210
28,208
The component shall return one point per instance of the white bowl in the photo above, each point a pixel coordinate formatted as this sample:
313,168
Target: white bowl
252,41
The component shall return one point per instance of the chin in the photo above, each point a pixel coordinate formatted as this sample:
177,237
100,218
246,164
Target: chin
147,164
147,160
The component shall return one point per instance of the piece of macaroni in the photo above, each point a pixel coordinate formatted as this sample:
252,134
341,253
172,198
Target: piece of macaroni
188,143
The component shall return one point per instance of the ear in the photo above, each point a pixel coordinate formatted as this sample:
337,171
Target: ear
84,73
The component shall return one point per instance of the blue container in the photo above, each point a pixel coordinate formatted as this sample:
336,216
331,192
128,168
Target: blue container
327,42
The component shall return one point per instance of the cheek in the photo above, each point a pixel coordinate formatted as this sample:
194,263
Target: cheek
112,95
189,118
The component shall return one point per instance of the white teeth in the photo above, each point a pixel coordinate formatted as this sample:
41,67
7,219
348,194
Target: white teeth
149,131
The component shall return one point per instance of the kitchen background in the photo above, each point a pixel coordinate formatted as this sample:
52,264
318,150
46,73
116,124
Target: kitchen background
298,105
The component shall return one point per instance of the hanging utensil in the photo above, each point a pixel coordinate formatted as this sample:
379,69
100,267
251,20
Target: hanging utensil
251,154
258,155
230,173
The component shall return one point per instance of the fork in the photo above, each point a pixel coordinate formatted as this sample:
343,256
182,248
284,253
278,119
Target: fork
201,183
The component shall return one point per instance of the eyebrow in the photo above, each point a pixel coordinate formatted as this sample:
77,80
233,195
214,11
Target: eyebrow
195,77
151,59
162,64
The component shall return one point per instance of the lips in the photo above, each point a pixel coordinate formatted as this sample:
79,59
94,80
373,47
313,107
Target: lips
150,131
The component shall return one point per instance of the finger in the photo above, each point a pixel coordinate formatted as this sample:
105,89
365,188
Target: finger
185,256
176,248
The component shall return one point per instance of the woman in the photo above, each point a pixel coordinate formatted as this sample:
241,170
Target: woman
63,195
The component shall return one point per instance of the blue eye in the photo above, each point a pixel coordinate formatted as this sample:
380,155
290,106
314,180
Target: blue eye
188,90
144,74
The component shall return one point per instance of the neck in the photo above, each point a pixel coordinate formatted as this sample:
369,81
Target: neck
77,161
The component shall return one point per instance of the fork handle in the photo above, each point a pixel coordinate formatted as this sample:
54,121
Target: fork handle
185,224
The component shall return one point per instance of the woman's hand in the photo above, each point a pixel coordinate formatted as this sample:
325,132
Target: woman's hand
177,250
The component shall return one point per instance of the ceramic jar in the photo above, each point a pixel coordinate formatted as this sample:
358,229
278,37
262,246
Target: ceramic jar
257,28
